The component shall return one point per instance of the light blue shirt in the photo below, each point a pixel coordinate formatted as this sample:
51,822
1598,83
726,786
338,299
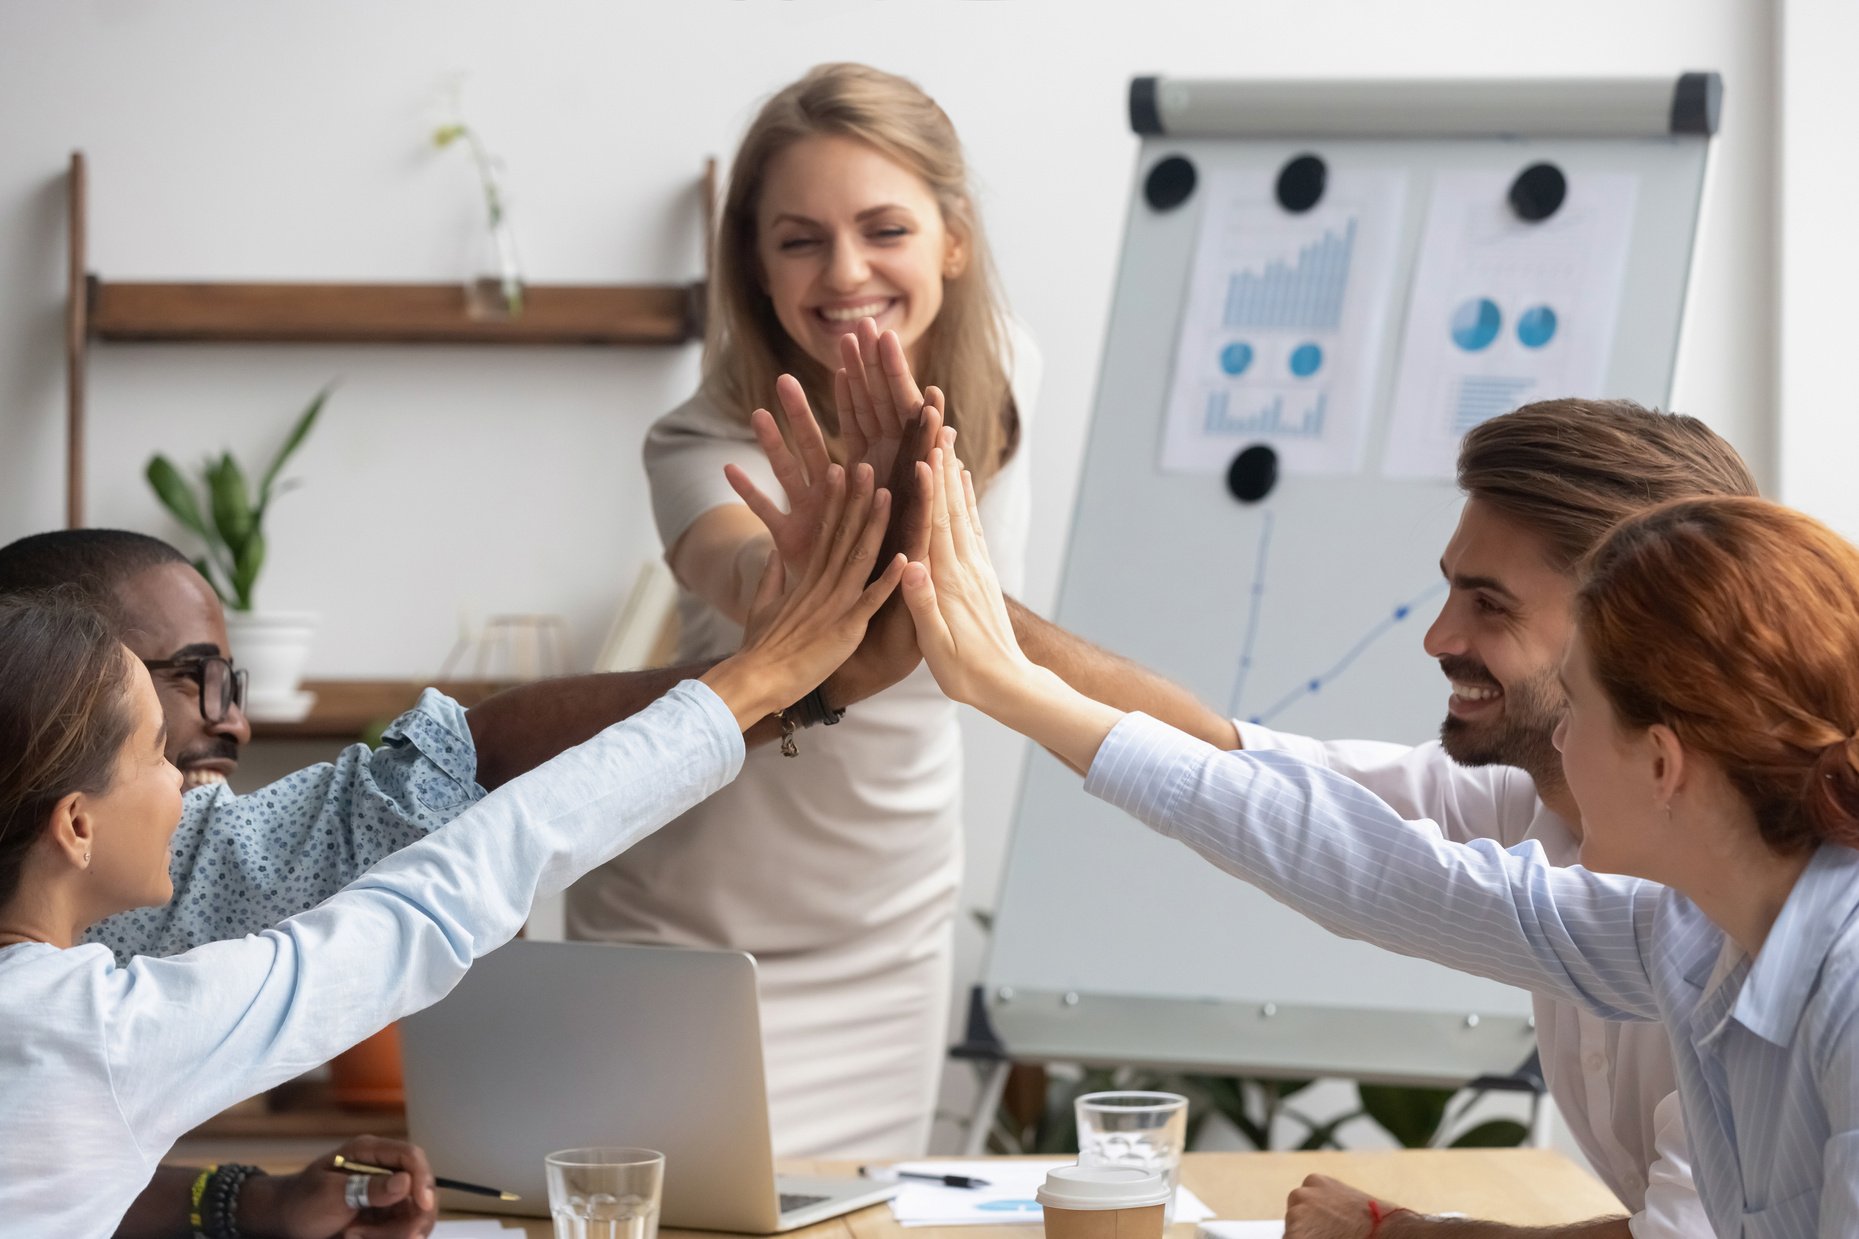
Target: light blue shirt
103,1067
1767,1051
241,864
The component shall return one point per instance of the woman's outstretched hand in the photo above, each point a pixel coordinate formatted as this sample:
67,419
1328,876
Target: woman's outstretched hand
803,624
801,470
885,421
966,634
963,627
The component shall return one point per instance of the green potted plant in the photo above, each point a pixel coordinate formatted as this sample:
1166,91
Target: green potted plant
222,510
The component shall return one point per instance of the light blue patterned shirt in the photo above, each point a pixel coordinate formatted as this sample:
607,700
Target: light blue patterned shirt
1767,1050
241,864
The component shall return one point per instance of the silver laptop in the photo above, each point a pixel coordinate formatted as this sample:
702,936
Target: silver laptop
557,1045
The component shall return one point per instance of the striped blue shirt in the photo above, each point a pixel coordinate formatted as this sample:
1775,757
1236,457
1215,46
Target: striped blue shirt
1767,1050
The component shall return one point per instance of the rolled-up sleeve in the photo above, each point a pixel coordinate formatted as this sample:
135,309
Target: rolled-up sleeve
241,864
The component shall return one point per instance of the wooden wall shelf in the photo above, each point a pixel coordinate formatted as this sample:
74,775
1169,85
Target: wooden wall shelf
388,314
346,709
561,314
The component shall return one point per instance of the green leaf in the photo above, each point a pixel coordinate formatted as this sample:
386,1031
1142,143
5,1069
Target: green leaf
1289,1088
1410,1115
1496,1134
445,135
175,494
292,442
245,568
232,503
1323,1135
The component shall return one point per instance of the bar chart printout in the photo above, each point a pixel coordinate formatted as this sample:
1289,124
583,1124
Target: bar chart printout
1281,333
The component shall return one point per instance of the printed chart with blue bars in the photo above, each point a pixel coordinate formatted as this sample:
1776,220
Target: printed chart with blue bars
1303,294
1279,339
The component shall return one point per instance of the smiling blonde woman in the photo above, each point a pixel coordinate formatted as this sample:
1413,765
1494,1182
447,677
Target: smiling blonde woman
848,201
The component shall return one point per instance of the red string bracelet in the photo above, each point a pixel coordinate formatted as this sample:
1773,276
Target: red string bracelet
1377,1216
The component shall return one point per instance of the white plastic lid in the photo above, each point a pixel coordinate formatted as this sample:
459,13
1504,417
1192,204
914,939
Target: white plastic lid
1102,1187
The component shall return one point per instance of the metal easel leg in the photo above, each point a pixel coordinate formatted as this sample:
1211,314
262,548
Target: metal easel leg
981,1122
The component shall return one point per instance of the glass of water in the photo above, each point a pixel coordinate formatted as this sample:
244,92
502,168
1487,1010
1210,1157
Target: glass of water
1144,1130
605,1193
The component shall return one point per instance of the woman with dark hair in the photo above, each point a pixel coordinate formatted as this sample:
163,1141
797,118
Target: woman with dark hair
1712,742
103,1067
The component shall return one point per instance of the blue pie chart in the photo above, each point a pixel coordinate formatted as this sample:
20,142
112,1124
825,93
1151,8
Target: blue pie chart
1537,327
1306,359
1236,357
1475,324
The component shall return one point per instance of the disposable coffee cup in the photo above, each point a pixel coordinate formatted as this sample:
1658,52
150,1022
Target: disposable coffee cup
1103,1202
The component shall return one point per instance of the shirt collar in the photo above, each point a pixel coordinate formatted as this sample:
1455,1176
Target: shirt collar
1783,974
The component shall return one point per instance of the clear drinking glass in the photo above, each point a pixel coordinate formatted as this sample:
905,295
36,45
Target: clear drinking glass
605,1193
1144,1130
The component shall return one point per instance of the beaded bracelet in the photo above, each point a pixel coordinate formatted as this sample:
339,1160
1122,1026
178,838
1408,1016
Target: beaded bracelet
220,1208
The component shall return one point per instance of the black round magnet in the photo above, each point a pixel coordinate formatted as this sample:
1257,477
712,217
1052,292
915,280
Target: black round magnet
1301,182
1169,184
1253,473
1538,191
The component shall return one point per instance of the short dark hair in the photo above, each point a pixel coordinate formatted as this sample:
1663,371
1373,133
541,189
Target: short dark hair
1570,470
92,561
64,714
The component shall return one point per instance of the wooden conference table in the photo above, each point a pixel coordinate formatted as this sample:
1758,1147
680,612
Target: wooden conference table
1521,1186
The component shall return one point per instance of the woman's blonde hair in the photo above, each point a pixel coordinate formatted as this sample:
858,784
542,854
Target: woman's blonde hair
964,351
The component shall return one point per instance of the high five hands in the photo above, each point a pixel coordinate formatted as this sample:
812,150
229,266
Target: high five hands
885,422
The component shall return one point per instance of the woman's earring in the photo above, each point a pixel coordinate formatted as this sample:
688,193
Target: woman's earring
87,858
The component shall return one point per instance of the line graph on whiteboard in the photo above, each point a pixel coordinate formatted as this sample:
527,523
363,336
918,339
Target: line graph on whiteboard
1391,618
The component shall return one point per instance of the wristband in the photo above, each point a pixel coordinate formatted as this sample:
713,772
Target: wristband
194,1194
813,709
806,712
1377,1215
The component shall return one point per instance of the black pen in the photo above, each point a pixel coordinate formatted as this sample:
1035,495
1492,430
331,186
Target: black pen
947,1180
355,1167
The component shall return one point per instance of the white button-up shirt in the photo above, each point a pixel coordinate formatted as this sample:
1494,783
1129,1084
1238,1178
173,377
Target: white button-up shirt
103,1067
1766,1050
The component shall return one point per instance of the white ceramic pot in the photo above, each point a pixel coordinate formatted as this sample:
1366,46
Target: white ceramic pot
272,647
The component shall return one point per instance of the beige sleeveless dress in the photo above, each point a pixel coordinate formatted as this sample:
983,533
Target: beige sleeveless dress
838,869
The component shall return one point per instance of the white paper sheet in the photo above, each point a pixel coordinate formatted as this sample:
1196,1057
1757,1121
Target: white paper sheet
1503,311
1281,334
474,1229
1273,1229
1008,1198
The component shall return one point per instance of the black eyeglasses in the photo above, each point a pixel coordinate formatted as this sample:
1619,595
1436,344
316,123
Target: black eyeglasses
222,686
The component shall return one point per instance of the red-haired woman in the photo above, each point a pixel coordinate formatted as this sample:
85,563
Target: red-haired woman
1712,741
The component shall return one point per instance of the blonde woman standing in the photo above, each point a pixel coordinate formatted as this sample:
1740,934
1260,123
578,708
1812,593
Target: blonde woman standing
839,867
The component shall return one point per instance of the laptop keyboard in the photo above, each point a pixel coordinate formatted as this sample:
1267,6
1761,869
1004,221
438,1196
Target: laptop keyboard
791,1201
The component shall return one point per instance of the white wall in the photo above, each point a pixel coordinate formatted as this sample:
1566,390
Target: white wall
1817,191
241,141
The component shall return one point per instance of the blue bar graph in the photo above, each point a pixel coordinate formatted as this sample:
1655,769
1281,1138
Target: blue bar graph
1269,419
1485,396
1302,295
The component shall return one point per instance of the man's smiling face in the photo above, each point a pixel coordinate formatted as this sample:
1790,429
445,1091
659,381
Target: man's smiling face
171,613
1499,639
